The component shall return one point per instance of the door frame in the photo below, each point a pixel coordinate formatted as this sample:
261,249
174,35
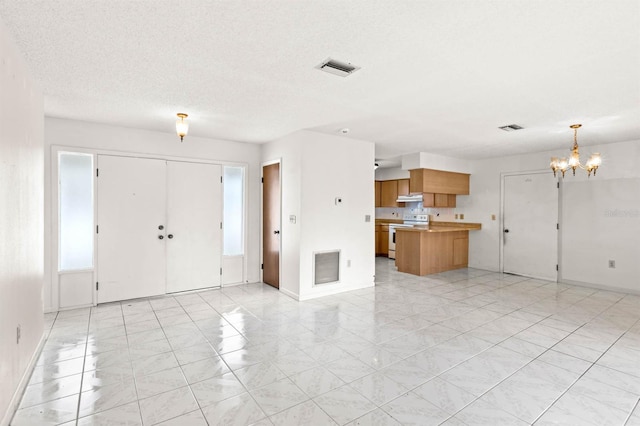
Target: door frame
262,166
52,248
503,176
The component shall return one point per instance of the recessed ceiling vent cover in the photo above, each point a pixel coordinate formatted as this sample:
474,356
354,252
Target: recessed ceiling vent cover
342,69
511,127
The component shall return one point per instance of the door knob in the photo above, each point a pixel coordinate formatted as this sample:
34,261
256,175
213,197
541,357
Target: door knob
276,232
161,237
170,236
161,227
506,231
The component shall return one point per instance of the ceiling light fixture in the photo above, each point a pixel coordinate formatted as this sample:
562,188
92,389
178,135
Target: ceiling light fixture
182,127
573,162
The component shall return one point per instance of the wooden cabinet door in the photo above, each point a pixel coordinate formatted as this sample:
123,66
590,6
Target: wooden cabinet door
388,193
445,200
376,188
403,187
377,244
428,200
384,241
460,252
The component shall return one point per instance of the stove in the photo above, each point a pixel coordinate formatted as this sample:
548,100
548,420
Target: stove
409,221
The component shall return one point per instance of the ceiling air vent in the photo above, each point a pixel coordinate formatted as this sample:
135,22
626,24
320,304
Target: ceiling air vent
511,127
339,68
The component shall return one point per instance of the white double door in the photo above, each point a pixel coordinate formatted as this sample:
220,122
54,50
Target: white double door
159,227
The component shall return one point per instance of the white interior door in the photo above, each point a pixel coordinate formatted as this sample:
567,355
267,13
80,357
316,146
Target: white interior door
530,235
131,207
194,232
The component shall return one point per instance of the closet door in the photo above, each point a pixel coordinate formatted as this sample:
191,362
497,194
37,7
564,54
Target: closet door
194,218
131,208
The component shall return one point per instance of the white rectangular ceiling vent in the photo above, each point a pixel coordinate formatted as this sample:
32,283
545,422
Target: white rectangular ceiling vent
511,127
342,69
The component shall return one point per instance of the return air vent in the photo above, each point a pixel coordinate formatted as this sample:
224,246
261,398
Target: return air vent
339,68
326,267
511,127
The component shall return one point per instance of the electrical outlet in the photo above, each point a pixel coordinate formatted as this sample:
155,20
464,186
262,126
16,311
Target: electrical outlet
493,217
457,215
612,264
461,216
367,218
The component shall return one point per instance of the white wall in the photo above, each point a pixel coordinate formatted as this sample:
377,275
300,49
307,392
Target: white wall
21,239
70,133
591,231
317,168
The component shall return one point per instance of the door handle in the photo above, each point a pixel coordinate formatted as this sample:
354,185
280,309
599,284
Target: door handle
161,227
161,237
276,232
506,231
170,236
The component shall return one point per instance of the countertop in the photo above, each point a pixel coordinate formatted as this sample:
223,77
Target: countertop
443,227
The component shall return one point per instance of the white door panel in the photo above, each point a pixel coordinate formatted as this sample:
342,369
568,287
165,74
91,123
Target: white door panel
131,206
530,236
194,215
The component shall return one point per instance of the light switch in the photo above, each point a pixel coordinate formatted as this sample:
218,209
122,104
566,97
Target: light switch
367,218
493,217
461,216
292,218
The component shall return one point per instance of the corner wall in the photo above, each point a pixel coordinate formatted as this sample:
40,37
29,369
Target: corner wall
600,217
21,223
316,169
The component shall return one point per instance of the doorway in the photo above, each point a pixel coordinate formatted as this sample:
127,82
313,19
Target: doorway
271,224
530,225
158,228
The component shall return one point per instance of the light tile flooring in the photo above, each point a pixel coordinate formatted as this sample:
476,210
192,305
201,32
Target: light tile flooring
467,347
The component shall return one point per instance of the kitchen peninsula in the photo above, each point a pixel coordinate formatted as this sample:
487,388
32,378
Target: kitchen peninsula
438,247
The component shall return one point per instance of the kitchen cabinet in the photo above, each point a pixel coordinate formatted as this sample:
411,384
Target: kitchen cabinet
403,187
376,188
382,240
438,182
388,193
444,200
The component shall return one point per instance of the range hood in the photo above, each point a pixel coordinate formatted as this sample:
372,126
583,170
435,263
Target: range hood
416,198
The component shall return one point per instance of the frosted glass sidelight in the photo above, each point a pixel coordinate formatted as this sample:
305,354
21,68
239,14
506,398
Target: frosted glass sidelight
75,195
233,216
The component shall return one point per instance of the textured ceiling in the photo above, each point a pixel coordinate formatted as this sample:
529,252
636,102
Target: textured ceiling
437,76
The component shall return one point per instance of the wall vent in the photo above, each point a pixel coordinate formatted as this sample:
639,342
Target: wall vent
511,127
340,68
326,267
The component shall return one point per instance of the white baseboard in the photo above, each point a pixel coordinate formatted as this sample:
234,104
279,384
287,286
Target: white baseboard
601,287
17,395
291,294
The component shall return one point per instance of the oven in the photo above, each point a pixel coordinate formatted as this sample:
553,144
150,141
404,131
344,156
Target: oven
410,220
392,237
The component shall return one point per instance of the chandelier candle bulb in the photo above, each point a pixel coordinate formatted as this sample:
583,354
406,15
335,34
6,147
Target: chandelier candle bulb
182,127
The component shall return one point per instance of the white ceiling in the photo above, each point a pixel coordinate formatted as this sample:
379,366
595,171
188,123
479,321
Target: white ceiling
437,76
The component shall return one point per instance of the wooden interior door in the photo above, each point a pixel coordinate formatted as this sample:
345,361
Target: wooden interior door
271,224
530,221
194,218
131,208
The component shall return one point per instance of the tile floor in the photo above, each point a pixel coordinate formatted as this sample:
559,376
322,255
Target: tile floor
466,347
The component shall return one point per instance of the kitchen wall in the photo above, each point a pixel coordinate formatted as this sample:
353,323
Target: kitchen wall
316,169
21,211
101,137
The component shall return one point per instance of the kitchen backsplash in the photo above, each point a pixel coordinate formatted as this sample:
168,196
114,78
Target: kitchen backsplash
435,213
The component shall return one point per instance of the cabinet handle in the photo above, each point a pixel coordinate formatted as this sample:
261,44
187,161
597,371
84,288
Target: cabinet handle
161,237
170,236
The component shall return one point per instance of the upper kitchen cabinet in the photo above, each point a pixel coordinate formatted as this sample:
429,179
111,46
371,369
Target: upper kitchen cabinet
403,187
376,186
438,182
388,193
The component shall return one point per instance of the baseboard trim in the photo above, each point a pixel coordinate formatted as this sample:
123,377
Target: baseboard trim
17,395
289,293
601,287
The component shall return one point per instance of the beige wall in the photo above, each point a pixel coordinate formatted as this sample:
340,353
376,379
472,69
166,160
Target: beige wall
21,222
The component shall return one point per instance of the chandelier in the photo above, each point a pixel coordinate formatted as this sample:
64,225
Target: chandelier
573,162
